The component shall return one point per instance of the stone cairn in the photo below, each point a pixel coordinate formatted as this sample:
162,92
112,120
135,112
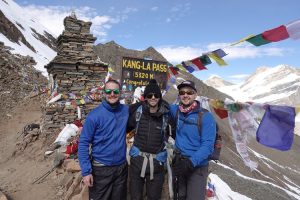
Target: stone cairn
76,74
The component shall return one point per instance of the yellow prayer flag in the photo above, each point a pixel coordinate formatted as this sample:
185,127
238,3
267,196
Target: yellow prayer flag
215,103
179,66
297,110
110,69
216,58
82,101
242,40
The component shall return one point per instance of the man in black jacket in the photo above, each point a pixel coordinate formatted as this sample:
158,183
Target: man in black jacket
150,121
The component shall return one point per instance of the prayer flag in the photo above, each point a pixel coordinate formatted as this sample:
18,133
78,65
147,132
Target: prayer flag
173,70
205,60
173,79
293,29
189,63
220,53
219,60
187,67
242,40
179,66
276,34
198,63
276,129
221,113
257,40
110,69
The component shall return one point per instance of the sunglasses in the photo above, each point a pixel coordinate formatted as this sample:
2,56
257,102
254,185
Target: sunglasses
188,92
109,91
149,96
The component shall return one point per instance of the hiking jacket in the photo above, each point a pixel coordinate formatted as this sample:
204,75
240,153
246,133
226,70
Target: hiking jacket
105,130
149,137
192,144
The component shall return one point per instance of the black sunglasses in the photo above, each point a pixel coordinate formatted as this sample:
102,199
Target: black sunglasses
149,96
188,92
109,91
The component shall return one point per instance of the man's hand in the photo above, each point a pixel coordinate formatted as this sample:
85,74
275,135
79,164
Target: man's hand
182,166
88,180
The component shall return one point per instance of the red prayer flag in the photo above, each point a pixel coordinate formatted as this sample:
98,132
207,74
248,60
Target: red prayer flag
168,76
173,70
221,113
198,63
276,34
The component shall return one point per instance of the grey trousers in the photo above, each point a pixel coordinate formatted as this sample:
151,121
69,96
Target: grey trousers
191,186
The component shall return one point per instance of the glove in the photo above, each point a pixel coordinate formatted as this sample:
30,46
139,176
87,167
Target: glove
182,166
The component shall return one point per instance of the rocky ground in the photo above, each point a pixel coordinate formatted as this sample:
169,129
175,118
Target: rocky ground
20,168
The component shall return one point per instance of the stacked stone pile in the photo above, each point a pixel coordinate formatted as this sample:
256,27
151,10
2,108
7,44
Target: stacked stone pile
76,42
76,75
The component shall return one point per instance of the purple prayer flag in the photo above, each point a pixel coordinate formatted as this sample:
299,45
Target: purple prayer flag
276,129
220,53
189,68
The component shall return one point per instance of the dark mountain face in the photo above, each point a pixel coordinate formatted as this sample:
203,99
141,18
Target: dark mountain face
8,29
18,79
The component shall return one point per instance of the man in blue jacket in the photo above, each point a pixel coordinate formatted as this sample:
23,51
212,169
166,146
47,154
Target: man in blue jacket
104,166
193,146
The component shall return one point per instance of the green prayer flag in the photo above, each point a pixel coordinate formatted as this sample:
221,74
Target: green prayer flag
258,40
205,60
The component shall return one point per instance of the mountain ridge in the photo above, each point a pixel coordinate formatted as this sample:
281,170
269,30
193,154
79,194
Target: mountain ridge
277,85
25,36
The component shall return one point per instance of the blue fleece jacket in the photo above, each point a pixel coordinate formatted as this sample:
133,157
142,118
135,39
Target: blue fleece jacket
105,130
195,146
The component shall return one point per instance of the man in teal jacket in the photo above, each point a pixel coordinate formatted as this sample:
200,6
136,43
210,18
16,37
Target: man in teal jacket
104,170
192,146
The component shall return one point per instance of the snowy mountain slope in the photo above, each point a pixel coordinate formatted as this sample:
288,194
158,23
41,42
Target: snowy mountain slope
277,85
25,35
216,82
276,177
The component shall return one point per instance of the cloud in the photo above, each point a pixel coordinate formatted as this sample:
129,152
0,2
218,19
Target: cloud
52,17
246,50
155,8
179,11
168,20
177,54
181,7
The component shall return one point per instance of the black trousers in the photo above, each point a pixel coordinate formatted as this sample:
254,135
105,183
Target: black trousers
110,182
153,187
191,186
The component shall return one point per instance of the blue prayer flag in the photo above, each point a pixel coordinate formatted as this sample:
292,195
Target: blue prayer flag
276,129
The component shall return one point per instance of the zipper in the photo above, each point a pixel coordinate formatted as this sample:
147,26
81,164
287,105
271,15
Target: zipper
148,134
114,138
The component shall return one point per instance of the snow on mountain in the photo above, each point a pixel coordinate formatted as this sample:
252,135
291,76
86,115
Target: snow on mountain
25,35
216,82
277,85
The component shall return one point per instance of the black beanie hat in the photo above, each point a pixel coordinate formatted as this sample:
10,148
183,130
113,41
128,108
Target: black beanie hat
152,87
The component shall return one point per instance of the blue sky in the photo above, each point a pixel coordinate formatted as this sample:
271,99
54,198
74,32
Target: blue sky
183,30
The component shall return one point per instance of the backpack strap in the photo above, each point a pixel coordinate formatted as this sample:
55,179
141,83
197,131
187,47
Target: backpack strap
199,121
